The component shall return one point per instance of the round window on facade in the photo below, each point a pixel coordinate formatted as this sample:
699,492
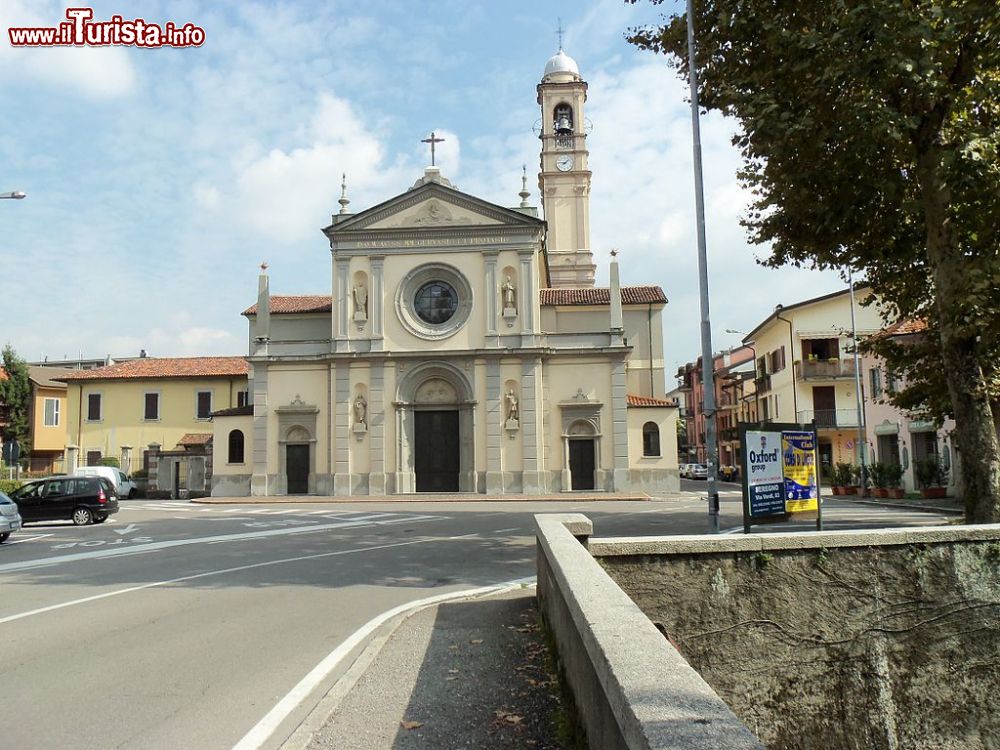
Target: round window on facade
436,302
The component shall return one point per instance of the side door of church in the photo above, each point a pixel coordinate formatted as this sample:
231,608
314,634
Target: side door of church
297,464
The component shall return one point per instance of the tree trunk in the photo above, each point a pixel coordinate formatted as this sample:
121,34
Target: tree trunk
975,431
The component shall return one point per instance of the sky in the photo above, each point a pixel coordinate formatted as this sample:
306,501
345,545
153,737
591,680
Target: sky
158,180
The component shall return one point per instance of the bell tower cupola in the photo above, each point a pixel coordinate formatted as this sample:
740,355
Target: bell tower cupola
564,179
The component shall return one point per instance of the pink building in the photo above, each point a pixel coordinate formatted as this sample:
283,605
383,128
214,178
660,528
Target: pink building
895,437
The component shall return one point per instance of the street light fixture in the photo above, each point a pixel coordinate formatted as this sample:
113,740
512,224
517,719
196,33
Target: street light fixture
16,195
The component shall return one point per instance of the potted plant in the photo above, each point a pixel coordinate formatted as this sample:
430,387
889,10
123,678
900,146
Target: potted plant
877,475
932,476
841,478
894,480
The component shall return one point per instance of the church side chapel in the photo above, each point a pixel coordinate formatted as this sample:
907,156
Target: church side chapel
464,347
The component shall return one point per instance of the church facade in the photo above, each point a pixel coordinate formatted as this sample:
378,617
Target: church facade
463,347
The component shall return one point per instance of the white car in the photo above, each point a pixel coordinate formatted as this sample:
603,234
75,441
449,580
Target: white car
10,519
124,486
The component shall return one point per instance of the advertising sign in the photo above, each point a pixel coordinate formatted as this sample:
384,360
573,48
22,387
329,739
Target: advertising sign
779,472
765,473
798,449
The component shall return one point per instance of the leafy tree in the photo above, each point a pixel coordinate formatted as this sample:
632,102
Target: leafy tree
870,133
15,395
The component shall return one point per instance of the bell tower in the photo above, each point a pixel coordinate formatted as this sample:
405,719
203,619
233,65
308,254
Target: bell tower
564,180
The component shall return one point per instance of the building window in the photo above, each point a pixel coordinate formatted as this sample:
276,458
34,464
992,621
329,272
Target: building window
51,412
151,407
650,439
436,302
891,383
236,447
776,360
875,375
243,398
93,458
93,407
204,405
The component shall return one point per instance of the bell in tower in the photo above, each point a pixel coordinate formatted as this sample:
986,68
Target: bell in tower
563,124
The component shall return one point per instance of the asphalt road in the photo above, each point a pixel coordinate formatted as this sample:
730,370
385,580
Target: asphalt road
178,625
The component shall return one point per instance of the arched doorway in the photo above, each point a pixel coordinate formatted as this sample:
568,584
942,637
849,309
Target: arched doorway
435,421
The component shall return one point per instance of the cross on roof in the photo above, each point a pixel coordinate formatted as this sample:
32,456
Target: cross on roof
432,140
559,31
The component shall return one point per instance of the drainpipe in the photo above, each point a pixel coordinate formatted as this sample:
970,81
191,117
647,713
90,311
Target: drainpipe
791,352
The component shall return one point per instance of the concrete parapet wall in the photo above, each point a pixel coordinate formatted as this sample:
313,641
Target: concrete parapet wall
882,640
633,690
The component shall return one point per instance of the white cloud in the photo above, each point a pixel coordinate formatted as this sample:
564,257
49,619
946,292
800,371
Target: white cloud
290,191
96,72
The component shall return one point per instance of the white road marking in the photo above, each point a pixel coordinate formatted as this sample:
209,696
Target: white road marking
127,530
29,539
131,589
106,553
263,730
513,528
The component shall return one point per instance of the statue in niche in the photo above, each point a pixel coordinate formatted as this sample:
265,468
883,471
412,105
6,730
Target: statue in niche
509,294
359,295
513,412
360,410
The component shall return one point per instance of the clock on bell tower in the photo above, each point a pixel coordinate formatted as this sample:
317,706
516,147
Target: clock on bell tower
564,179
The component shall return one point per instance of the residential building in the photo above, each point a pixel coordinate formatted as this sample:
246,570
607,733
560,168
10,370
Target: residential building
121,410
734,389
463,347
805,368
46,417
894,436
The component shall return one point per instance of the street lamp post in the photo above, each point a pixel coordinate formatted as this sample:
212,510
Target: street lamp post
708,361
859,398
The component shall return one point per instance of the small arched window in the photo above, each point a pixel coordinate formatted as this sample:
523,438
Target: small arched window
650,439
236,447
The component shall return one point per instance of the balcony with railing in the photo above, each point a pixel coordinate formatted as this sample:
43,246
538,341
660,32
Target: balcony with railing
824,369
762,383
830,419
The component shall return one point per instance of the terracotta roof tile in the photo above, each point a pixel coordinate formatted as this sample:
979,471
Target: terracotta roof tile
631,295
906,327
236,411
165,367
196,438
632,400
303,303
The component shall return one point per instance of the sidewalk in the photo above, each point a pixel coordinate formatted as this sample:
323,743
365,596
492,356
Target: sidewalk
463,674
951,505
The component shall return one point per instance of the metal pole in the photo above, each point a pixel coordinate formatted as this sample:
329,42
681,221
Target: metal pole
857,390
707,362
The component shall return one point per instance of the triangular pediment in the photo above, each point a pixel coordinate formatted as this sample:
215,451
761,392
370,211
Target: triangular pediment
436,207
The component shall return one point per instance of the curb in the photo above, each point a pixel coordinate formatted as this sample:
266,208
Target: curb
314,721
919,508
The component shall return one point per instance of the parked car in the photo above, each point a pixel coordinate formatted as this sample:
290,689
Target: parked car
10,519
124,486
83,500
698,471
685,470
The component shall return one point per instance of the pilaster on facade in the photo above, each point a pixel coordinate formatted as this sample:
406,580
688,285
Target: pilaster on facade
342,436
259,479
376,430
377,302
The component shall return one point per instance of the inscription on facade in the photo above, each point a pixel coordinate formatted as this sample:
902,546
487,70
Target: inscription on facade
438,242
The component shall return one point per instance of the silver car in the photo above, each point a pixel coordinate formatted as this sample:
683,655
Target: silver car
698,471
10,519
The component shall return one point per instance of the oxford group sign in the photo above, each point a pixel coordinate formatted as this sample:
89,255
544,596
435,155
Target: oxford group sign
779,472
